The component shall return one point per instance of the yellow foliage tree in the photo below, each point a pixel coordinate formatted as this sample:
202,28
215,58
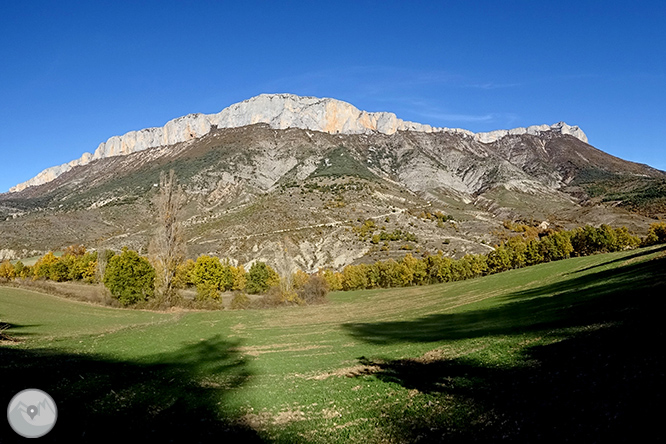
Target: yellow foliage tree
42,267
7,271
239,277
333,279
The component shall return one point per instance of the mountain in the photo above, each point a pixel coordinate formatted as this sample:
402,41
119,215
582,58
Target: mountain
279,111
293,180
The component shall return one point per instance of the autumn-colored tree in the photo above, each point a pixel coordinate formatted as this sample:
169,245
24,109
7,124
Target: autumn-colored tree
414,270
556,246
354,277
625,239
333,279
239,277
82,267
59,271
299,278
210,276
24,272
478,264
167,248
517,248
74,250
656,234
390,274
533,254
461,269
42,268
184,274
7,271
439,268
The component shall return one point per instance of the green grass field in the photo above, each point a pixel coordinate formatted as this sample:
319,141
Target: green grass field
565,351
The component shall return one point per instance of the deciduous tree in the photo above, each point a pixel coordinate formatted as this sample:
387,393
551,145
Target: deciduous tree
167,248
129,277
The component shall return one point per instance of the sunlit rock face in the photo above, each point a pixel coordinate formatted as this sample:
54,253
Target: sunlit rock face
279,111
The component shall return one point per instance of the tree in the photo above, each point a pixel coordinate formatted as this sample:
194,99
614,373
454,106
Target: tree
129,277
83,267
102,260
439,268
42,268
7,271
333,279
184,274
499,260
239,277
208,275
556,246
74,250
260,278
19,268
59,271
168,245
656,234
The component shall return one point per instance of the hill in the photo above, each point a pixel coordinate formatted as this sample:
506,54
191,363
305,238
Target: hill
564,351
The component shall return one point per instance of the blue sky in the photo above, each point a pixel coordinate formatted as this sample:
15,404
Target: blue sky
73,74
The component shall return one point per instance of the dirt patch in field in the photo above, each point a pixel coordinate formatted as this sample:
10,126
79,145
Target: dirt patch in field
259,350
262,420
348,372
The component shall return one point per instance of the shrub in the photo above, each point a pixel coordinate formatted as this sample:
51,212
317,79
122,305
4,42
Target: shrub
314,290
207,291
240,301
130,278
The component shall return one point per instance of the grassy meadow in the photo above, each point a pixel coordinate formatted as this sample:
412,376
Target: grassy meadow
563,351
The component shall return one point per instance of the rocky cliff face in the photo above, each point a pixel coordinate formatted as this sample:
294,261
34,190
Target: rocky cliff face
279,111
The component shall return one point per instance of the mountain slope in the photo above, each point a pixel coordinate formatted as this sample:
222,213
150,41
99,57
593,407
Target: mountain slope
300,197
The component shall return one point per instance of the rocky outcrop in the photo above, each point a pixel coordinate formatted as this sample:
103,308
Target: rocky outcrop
279,111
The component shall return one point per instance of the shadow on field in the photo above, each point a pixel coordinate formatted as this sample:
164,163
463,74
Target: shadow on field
640,253
16,334
602,384
177,399
596,297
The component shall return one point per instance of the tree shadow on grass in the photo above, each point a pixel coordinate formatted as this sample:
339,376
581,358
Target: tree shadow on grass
601,384
178,398
641,252
16,333
597,297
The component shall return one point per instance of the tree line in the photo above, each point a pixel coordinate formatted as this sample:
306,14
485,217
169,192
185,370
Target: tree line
132,278
516,252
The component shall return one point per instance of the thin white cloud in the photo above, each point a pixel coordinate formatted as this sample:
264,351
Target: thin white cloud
444,117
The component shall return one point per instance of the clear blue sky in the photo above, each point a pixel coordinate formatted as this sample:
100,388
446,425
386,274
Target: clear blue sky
73,74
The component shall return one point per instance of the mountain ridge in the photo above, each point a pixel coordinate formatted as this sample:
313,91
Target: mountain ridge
279,111
301,198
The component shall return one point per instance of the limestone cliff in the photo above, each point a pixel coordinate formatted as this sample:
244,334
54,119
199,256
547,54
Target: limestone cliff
279,111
